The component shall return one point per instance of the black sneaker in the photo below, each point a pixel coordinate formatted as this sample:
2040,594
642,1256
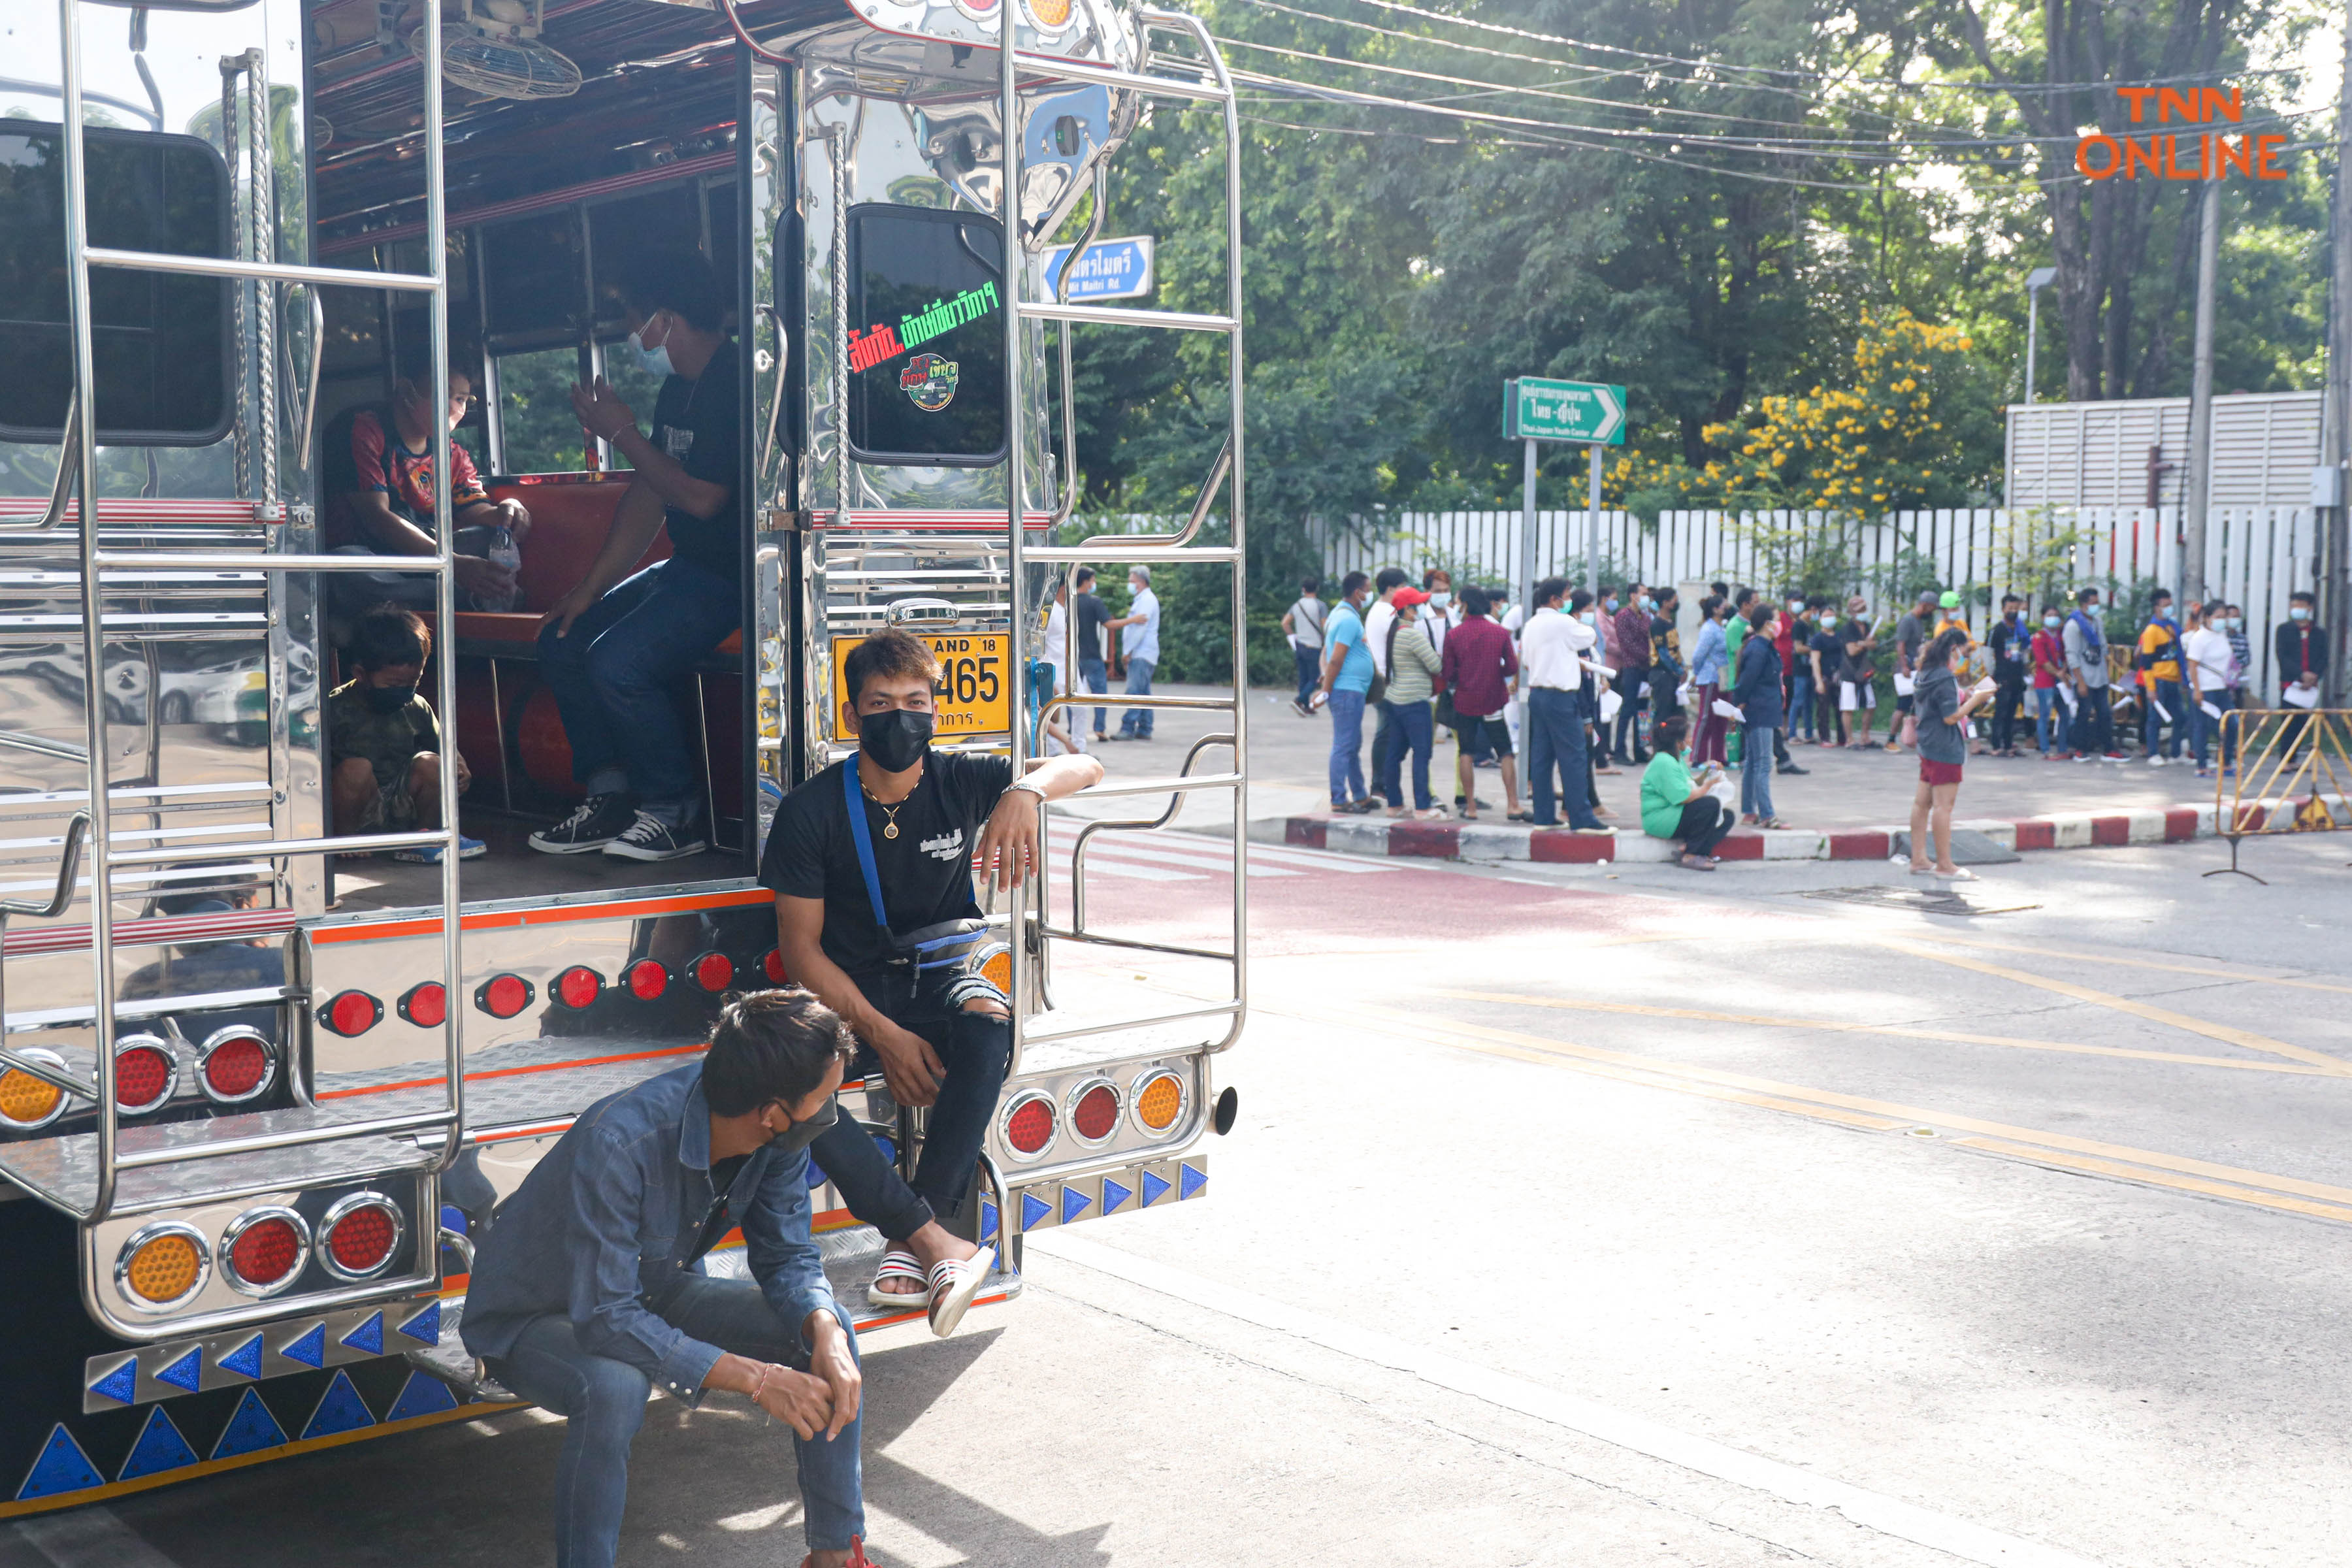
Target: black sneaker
651,838
594,823
1790,768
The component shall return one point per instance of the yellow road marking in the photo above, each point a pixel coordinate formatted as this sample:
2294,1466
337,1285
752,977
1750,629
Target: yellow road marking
2226,1032
1813,1102
1577,1005
2168,966
2130,1172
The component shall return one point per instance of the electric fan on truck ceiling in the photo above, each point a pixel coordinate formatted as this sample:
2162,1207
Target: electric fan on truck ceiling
491,47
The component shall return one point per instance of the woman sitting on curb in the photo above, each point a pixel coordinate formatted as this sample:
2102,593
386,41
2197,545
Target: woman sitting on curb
1678,805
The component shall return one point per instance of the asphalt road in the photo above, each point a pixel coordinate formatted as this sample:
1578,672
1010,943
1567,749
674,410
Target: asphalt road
1587,1217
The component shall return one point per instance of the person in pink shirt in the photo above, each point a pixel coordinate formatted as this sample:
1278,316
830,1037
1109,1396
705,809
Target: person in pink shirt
2048,657
1476,670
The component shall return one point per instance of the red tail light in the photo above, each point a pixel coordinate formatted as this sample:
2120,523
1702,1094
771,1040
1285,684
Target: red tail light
579,986
264,1249
504,995
235,1065
1029,1125
352,1013
360,1234
145,1074
1094,1112
647,980
426,1005
713,971
774,966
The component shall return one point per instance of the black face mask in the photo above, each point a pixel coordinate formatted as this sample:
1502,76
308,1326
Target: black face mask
895,739
796,1138
389,699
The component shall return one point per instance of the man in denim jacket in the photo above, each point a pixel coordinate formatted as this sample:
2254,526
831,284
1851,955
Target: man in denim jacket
588,1288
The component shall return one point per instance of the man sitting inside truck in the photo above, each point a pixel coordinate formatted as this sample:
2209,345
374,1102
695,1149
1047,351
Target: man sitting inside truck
614,650
872,861
588,1287
377,477
383,743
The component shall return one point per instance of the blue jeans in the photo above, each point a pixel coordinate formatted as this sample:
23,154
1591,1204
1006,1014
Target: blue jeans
612,674
2167,693
602,1401
1756,770
1801,711
1347,709
1555,735
1310,671
1412,731
1137,722
2048,728
1094,675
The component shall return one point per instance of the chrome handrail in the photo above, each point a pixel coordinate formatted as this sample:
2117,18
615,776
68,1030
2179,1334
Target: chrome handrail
69,864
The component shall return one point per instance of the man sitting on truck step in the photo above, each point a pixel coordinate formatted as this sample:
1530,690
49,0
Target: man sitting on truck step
614,650
872,861
377,476
589,1289
384,741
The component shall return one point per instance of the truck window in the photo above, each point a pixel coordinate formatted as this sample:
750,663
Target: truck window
160,342
926,337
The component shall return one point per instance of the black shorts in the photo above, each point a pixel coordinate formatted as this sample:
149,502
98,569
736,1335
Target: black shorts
1477,735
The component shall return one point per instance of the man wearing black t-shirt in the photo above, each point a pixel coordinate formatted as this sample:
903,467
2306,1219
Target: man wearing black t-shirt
1087,643
613,650
942,1036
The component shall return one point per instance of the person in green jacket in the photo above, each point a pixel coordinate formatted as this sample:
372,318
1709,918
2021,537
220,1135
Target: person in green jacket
1676,805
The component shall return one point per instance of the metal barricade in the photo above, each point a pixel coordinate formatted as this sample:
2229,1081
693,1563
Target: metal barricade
2293,775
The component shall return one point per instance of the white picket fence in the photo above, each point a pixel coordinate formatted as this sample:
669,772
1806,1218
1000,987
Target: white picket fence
2256,555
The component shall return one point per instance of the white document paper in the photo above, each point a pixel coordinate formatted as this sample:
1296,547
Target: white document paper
1983,688
1728,711
2068,693
1903,685
2162,713
2303,696
1683,693
1610,704
2210,711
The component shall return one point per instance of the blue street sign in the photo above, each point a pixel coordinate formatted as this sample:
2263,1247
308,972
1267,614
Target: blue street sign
1111,269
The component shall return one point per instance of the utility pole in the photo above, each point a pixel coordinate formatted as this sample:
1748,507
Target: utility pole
2336,419
2036,281
1528,537
1592,456
2198,500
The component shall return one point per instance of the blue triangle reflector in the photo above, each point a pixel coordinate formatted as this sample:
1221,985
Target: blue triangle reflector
369,1335
1074,1204
251,1428
987,1222
426,1327
121,1385
160,1447
244,1361
184,1372
309,1348
1115,1194
1190,1179
1033,1209
341,1409
62,1468
424,1395
1155,1187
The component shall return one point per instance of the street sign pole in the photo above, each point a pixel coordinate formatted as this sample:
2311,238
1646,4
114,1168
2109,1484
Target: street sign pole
1592,522
1528,535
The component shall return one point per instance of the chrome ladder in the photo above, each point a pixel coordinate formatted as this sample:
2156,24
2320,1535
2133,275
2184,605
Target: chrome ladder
94,1189
1204,79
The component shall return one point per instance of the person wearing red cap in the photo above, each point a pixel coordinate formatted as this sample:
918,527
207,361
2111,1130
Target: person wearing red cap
1413,668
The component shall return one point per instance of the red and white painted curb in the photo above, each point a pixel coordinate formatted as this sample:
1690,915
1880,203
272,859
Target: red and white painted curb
1478,841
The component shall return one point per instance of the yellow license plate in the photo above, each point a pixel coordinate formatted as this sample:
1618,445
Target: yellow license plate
974,695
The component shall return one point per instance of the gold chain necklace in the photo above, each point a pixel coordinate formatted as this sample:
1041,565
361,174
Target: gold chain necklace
890,810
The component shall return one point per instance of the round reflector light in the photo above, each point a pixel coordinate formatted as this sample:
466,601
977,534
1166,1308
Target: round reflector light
579,986
647,980
1159,1098
1094,1112
359,1235
145,1074
235,1065
26,1101
264,1249
1029,1125
772,965
997,969
714,971
163,1266
352,1013
504,995
426,1005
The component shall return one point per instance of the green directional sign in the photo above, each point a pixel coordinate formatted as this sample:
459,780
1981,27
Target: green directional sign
1535,409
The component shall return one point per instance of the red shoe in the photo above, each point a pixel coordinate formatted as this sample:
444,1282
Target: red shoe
857,1558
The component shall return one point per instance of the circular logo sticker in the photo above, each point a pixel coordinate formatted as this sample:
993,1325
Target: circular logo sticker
930,380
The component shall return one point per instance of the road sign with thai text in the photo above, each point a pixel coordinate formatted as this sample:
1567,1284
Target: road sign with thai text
1535,409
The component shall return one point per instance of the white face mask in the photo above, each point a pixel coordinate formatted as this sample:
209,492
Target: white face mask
1440,599
1587,617
651,361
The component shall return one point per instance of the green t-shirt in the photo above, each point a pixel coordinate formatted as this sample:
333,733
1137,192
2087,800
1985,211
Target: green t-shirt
1666,786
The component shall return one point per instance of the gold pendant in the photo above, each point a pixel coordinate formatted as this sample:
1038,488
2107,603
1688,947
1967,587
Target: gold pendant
890,830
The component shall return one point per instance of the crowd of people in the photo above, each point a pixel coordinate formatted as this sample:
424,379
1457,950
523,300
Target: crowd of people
1591,683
